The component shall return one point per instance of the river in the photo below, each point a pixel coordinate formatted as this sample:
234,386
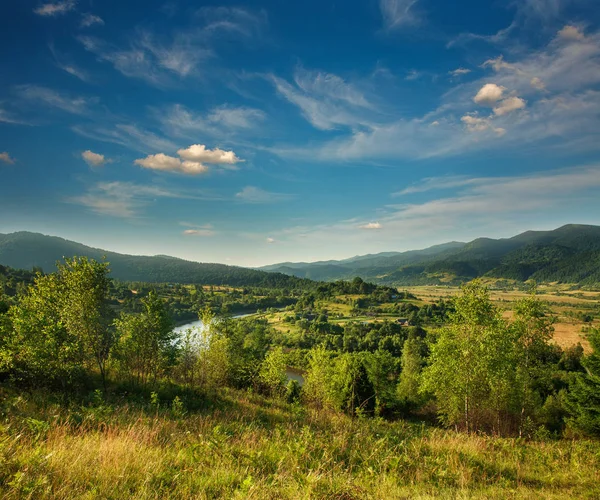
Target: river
290,373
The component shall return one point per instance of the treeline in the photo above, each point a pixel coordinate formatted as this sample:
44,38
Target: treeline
478,372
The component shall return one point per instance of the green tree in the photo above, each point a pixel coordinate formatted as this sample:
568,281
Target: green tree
147,346
532,331
39,346
468,362
411,363
583,400
84,308
272,372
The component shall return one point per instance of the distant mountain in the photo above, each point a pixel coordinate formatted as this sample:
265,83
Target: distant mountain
569,254
25,250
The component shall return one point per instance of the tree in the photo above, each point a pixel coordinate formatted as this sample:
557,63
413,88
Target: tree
411,363
39,346
583,400
272,372
532,331
147,343
468,362
84,308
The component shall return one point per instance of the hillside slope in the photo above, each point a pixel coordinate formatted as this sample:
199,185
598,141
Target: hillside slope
569,254
24,250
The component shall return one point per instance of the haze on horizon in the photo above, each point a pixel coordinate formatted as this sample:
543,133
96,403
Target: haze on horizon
258,132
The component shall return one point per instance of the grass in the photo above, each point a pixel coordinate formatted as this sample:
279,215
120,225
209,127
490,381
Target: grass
245,446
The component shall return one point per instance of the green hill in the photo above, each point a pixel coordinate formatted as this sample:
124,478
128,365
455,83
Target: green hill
569,254
24,250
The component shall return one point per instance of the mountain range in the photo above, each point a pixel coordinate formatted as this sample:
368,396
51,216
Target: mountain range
569,254
24,250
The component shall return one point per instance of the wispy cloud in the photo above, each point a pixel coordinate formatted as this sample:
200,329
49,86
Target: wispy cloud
148,59
62,63
124,199
126,135
55,9
480,206
204,230
371,225
325,100
218,121
76,105
7,117
254,195
163,60
459,72
398,13
236,21
546,96
88,20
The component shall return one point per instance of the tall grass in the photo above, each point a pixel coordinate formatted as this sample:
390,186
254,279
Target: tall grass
242,445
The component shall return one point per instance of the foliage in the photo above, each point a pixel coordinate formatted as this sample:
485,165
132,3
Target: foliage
584,398
146,346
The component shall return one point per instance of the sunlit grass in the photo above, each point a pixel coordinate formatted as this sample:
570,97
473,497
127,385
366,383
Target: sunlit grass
246,446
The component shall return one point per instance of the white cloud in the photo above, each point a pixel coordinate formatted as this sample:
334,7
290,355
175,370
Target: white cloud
508,105
460,71
55,9
166,163
6,158
398,13
251,194
199,153
94,159
192,160
475,123
88,20
564,65
271,240
71,104
371,225
489,94
537,83
562,118
571,33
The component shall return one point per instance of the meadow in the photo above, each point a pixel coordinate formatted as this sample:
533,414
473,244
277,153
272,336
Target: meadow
238,444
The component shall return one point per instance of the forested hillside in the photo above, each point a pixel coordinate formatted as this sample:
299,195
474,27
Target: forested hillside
569,254
25,250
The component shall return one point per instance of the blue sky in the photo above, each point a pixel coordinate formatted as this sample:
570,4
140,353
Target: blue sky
265,131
